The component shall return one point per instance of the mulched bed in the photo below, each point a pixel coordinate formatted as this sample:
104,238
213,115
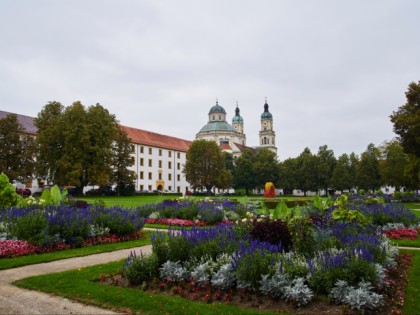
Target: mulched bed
394,293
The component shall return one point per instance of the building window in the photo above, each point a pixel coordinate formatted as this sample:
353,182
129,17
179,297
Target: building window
150,187
160,163
150,151
213,117
178,166
132,148
150,162
170,188
169,176
141,161
178,189
141,149
160,176
179,155
141,187
170,165
178,178
160,152
220,117
170,153
150,175
141,174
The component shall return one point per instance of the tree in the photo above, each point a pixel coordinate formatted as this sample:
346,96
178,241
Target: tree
308,171
406,120
16,150
412,172
266,167
122,160
288,175
244,175
393,164
75,144
341,178
204,165
368,175
327,162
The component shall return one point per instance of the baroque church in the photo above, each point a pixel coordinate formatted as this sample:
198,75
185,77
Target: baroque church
231,137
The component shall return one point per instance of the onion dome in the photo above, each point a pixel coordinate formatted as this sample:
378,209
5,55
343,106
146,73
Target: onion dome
237,118
266,114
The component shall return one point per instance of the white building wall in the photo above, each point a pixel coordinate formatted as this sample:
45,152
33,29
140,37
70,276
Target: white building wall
159,168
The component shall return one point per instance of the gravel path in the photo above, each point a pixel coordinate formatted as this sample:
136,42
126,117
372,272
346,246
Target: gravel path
14,300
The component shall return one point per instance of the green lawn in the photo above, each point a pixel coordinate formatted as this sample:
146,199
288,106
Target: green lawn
412,302
81,285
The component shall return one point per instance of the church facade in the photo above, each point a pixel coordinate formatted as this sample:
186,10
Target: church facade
231,137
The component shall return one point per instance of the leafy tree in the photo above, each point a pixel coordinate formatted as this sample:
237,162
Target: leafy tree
265,168
368,175
412,172
327,162
354,166
308,171
406,120
288,178
204,165
75,144
341,178
122,160
17,150
244,175
393,164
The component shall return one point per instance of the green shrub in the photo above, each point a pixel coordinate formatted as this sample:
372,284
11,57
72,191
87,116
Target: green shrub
178,249
142,269
32,227
8,196
252,266
301,230
209,248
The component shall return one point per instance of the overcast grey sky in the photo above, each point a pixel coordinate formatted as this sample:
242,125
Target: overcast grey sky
332,71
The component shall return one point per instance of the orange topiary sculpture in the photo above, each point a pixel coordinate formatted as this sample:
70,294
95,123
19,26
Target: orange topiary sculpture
270,190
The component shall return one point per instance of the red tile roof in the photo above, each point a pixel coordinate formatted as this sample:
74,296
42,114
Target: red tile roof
136,135
225,146
242,147
156,140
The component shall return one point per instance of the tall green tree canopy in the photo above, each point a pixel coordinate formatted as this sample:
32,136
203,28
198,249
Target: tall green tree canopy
308,171
17,150
341,178
244,173
406,120
393,164
122,158
75,144
327,162
266,167
288,178
204,165
368,174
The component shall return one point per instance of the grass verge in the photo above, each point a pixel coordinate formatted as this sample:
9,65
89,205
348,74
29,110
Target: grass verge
7,263
81,285
412,303
407,243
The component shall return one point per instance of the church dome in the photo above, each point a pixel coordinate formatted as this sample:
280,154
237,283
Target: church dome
217,126
237,119
267,115
217,109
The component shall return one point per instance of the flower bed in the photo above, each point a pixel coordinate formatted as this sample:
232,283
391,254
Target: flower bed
402,234
350,262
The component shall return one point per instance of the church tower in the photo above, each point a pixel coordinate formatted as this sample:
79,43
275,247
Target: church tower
238,121
267,134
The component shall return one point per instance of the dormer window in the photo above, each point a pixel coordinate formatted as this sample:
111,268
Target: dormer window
220,117
213,117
